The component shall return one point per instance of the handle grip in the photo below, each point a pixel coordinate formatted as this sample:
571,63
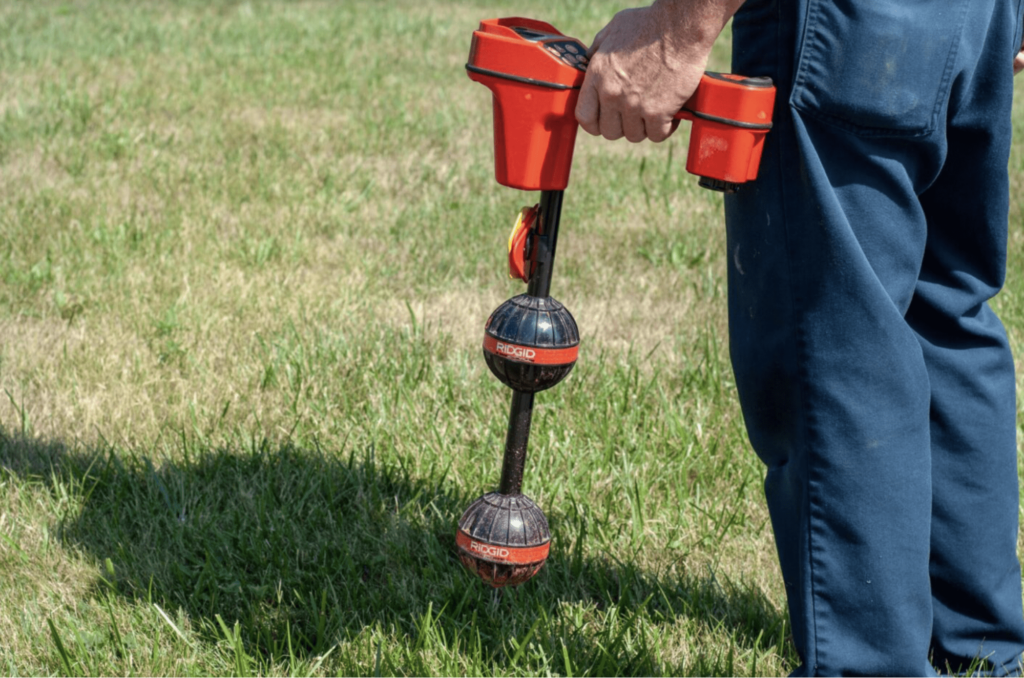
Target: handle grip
535,73
731,114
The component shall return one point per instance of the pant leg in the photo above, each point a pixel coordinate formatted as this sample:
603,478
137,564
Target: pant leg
975,574
826,251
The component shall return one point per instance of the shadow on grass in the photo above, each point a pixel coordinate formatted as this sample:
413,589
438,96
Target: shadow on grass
304,548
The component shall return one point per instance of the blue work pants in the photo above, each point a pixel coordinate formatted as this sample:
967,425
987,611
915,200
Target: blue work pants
877,385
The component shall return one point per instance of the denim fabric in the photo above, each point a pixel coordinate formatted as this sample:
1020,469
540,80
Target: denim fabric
876,383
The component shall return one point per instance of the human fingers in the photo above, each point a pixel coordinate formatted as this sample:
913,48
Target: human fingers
588,108
659,129
1018,63
633,126
610,123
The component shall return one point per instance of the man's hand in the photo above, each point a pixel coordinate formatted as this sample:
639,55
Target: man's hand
645,64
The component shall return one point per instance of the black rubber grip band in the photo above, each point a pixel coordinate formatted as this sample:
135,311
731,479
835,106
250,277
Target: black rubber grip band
760,81
727,121
519,78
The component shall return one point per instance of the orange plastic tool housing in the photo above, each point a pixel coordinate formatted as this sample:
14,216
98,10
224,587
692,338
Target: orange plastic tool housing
534,73
731,115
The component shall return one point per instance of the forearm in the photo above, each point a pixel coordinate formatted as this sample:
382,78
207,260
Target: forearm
695,24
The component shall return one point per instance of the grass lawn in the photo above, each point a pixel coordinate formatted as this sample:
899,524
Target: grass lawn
246,254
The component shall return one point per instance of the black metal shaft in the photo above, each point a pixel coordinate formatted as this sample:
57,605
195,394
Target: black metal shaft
515,443
544,241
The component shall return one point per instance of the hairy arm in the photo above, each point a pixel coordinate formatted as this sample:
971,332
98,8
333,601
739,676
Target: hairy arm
646,63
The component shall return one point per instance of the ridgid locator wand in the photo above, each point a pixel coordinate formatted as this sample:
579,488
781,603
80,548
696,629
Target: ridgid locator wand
531,342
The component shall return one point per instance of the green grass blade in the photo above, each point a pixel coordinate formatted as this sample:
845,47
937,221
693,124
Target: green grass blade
64,657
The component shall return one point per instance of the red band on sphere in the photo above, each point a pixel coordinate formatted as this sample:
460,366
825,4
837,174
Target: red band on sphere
531,354
514,555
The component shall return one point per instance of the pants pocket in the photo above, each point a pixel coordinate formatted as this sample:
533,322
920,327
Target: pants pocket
878,67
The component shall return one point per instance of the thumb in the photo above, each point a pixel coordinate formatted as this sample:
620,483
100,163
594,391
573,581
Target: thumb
598,39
